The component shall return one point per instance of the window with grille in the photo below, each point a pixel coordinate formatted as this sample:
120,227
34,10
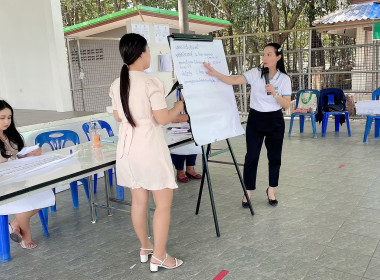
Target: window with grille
88,54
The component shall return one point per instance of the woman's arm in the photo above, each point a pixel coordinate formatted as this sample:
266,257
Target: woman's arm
165,116
284,101
236,80
116,116
181,118
34,153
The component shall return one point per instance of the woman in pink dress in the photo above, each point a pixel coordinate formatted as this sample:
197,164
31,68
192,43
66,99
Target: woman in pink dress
143,161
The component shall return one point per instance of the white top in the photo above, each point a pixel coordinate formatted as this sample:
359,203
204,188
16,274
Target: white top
260,101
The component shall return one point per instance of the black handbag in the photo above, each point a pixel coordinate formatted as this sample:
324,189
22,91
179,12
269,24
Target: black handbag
334,108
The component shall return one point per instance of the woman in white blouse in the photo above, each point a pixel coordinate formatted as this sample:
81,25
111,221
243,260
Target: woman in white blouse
265,120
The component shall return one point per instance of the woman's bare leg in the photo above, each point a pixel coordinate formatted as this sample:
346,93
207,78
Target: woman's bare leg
140,199
22,222
161,223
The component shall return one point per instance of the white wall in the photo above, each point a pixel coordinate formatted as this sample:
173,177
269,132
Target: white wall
33,65
155,50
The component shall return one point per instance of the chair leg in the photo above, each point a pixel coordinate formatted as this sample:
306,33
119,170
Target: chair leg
302,122
291,125
367,130
377,128
337,122
5,246
110,176
119,190
95,182
314,125
348,124
54,207
74,194
324,124
44,218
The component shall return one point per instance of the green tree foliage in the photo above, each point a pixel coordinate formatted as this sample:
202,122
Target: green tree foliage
246,16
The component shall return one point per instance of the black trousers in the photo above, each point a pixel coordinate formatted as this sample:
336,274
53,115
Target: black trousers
271,127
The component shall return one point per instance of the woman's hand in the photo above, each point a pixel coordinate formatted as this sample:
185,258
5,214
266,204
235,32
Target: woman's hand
270,88
229,80
165,116
211,70
181,118
179,106
35,153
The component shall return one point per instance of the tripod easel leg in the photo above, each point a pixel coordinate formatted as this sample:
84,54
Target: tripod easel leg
210,190
240,177
203,178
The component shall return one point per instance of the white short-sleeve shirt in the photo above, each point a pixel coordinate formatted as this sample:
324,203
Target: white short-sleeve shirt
260,101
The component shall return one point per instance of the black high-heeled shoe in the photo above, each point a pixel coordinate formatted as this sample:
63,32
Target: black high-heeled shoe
272,202
244,204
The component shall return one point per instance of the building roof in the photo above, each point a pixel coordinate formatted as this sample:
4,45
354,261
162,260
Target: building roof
357,12
199,24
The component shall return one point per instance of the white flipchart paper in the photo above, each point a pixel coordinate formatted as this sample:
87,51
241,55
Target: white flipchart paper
210,103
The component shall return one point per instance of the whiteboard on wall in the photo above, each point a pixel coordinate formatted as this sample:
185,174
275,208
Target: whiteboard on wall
210,103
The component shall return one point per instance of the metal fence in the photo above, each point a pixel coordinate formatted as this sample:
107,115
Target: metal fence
93,65
343,57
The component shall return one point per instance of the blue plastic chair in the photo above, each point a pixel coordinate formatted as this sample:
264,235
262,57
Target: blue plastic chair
333,93
303,115
102,125
57,140
370,118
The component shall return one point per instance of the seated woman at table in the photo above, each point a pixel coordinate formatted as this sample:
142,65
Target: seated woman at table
179,156
11,143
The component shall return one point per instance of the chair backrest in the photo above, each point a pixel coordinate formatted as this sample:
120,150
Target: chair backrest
316,92
330,96
376,94
102,124
57,139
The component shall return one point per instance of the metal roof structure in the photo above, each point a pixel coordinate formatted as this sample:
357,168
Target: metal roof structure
199,24
353,13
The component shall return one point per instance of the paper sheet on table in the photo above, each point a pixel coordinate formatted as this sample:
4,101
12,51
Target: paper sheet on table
179,130
368,107
27,150
13,168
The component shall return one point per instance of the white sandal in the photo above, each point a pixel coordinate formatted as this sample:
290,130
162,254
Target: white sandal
145,258
154,266
23,245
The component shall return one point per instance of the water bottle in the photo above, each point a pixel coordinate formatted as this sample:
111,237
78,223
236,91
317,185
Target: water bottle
95,136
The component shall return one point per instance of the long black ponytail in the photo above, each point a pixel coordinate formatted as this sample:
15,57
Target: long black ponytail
11,132
278,51
131,47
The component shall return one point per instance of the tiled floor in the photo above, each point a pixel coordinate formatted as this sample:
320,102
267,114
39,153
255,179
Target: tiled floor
326,226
